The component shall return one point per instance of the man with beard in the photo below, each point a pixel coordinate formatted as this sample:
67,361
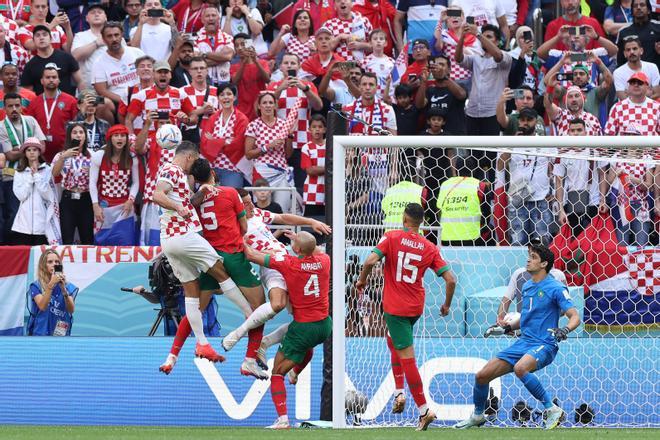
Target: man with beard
571,17
510,123
645,29
216,45
184,49
574,109
9,78
633,51
115,71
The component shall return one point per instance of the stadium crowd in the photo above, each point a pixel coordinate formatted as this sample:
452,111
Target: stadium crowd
86,85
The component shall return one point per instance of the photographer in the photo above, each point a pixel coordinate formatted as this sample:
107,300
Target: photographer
52,299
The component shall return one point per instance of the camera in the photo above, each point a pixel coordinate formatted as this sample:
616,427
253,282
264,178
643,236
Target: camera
99,100
453,13
155,13
58,268
291,73
75,143
163,115
527,35
518,93
565,76
578,57
469,20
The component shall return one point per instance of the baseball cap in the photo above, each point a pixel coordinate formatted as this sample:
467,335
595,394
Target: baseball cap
581,67
32,142
96,5
40,27
639,76
162,65
322,30
51,66
421,41
528,113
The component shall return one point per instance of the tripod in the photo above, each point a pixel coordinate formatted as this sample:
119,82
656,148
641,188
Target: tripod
167,310
167,313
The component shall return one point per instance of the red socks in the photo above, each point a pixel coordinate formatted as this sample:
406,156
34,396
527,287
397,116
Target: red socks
254,341
301,366
397,369
278,393
414,381
182,334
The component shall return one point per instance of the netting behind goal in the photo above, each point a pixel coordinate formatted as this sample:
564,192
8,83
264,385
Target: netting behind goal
594,207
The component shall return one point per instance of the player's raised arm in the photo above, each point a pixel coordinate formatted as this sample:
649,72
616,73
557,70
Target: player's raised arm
161,199
255,256
367,267
297,220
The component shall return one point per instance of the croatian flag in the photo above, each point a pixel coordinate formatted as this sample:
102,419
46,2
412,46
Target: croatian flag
13,285
400,67
117,229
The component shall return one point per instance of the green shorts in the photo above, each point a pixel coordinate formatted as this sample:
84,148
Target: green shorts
401,329
302,336
238,268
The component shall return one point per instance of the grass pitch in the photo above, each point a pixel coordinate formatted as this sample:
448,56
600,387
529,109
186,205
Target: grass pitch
166,433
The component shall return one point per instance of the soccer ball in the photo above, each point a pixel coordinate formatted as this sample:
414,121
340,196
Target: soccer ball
168,136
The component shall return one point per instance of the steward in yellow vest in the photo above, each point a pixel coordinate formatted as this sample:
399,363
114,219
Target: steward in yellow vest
395,201
460,209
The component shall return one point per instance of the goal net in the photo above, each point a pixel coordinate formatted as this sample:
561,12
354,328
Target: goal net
485,199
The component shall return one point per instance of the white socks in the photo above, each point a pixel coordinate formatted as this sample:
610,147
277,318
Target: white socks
276,336
195,318
262,314
231,291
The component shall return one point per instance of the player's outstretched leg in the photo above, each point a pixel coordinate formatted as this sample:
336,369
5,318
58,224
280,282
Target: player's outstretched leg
426,416
182,333
298,368
250,366
256,319
275,337
399,403
278,393
523,370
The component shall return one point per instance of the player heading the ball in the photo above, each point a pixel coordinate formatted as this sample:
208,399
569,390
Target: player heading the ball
407,256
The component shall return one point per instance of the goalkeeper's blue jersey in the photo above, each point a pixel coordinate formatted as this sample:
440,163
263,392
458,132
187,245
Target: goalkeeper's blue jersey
542,304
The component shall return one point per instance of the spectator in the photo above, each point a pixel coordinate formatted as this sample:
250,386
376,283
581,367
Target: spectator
184,50
66,66
341,83
216,45
60,28
381,15
319,64
268,145
633,51
617,16
487,12
9,76
529,184
96,127
446,40
524,99
573,109
645,29
133,9
154,35
223,139
15,129
636,109
144,67
421,52
297,39
52,299
72,165
188,15
113,186
420,16
264,199
313,163
571,16
114,71
527,66
377,62
200,96
443,93
10,27
17,10
88,46
239,19
12,53
288,91
250,75
36,220
406,114
76,14
349,31
52,109
578,184
265,8
319,10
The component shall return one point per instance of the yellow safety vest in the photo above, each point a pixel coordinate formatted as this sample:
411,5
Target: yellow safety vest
459,206
395,201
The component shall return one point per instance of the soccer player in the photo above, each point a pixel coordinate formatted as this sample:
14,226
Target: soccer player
307,276
544,299
188,253
407,256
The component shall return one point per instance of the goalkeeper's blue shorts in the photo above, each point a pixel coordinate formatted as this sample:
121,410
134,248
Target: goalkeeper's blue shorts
543,353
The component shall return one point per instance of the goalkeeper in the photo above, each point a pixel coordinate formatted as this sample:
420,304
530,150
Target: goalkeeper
544,299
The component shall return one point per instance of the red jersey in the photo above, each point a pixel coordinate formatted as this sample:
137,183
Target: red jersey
555,25
407,256
249,87
308,282
61,110
219,214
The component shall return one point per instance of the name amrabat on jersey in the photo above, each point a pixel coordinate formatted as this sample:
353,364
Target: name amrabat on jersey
311,267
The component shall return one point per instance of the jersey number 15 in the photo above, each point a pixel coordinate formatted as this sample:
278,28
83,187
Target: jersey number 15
404,262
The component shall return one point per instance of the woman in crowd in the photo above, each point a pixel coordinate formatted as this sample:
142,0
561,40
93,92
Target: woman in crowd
72,165
267,143
36,221
298,40
223,141
113,186
96,128
52,299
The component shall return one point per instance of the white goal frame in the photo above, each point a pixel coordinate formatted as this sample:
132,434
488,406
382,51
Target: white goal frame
340,143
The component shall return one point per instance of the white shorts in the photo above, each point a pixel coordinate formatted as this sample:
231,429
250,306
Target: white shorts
189,255
271,279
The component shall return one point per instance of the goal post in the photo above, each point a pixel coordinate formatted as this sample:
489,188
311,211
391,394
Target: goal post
465,351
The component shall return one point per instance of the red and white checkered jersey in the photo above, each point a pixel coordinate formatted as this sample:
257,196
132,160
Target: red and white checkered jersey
208,44
150,177
19,56
264,135
152,99
224,130
287,102
11,29
138,122
171,223
259,236
563,117
449,50
293,45
313,155
58,36
358,27
382,67
16,9
75,172
645,117
195,98
644,269
114,182
637,170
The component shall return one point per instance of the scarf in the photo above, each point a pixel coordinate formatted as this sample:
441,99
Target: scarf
469,38
375,119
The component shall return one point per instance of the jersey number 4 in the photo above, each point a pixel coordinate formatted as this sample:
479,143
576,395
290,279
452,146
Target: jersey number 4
312,286
404,263
208,216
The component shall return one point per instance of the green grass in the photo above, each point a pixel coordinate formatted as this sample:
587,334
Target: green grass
162,433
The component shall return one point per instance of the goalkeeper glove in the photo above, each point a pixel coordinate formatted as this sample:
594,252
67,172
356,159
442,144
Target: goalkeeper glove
560,334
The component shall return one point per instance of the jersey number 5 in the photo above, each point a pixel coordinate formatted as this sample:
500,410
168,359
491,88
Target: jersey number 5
404,262
312,286
208,216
